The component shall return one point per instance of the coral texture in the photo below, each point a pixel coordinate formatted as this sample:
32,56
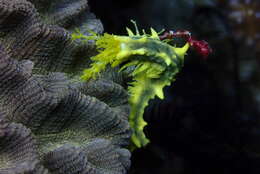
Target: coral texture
51,122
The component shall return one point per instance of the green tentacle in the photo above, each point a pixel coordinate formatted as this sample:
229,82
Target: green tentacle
156,64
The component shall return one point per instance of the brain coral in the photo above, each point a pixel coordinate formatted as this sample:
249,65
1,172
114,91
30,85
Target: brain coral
51,122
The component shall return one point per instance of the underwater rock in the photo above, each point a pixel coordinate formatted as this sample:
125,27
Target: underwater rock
61,125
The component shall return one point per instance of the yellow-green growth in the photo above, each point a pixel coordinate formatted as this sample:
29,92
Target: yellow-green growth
156,64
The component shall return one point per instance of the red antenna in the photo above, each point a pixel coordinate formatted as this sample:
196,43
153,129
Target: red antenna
201,46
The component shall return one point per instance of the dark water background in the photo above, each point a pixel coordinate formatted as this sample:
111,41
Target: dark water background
210,120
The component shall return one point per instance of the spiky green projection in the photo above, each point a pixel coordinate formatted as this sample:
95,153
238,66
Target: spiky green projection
155,65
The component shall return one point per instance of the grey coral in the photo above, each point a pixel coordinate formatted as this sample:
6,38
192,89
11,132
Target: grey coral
18,153
50,121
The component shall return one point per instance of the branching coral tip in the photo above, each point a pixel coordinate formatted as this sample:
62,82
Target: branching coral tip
155,63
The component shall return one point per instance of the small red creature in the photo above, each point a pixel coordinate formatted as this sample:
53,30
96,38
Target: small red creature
201,46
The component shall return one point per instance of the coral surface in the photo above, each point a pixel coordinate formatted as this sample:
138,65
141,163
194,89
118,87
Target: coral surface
50,121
